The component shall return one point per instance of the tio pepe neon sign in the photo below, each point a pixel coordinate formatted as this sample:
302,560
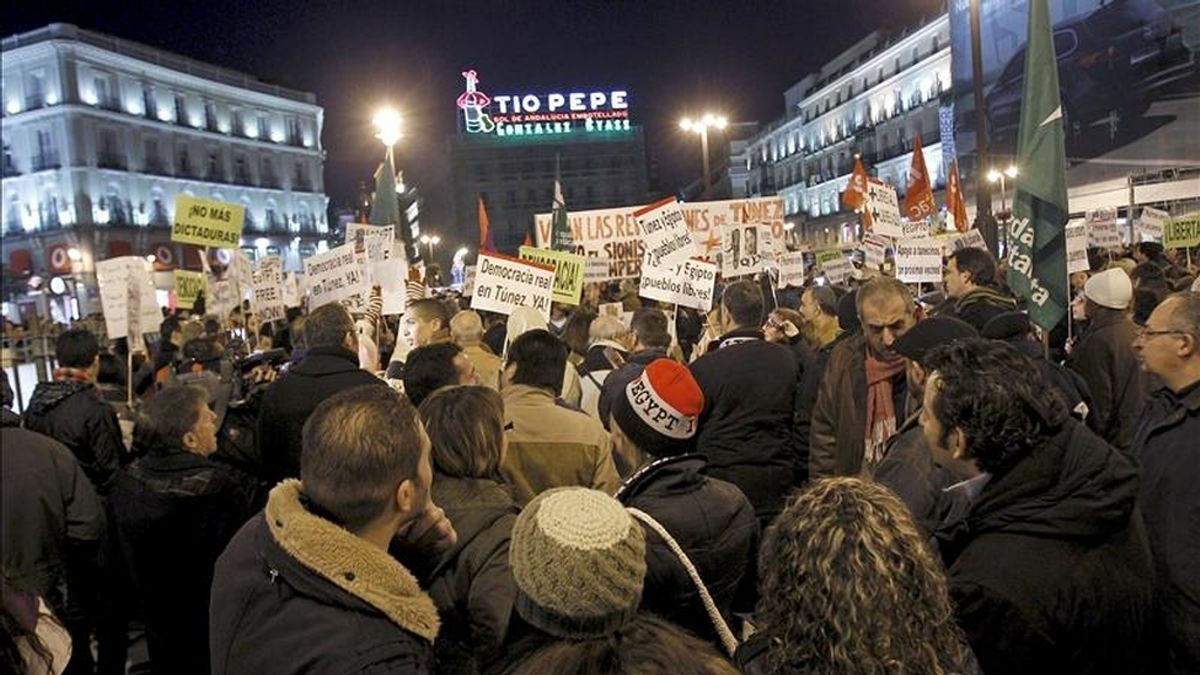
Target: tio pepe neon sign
533,115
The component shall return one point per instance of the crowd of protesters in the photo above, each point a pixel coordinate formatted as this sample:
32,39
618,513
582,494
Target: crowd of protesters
818,480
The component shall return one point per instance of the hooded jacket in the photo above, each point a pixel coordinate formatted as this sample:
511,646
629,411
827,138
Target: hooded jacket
1050,569
745,430
288,402
1166,445
73,413
714,524
295,593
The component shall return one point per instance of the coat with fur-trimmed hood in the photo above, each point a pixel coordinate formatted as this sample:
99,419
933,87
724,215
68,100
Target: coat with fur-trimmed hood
296,593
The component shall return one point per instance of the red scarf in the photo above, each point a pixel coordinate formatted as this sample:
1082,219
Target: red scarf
881,407
72,374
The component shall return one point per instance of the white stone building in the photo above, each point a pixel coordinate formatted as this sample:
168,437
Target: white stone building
100,134
873,99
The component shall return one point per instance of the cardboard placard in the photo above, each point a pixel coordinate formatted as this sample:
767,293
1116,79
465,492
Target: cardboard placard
884,209
1150,224
747,248
791,269
1076,236
188,286
334,276
503,284
874,248
919,261
291,290
1182,231
1102,228
207,222
468,287
127,297
690,284
376,241
390,275
835,265
665,236
972,238
568,271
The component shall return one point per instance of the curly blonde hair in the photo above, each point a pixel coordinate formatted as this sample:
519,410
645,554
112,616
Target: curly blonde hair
849,586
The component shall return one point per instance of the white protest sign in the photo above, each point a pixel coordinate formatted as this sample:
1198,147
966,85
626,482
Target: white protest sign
468,287
1150,224
746,249
267,281
390,276
883,208
972,238
613,234
503,284
613,309
1076,236
334,276
224,298
665,236
874,248
291,290
791,269
376,241
1102,228
127,297
914,229
919,261
690,285
835,265
595,270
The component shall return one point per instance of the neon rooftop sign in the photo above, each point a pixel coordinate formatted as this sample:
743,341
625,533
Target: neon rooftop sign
541,114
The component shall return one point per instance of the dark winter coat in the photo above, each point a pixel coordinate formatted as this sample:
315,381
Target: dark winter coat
294,593
806,400
175,512
978,306
837,438
1050,570
472,584
909,469
1105,359
1168,445
74,414
48,503
287,404
714,524
745,431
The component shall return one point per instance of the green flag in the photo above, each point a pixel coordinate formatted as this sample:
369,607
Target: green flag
385,208
1037,257
560,229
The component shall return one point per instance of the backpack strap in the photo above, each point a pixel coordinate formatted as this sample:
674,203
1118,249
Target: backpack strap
723,632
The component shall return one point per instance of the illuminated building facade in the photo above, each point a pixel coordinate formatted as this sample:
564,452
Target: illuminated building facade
872,100
101,134
510,147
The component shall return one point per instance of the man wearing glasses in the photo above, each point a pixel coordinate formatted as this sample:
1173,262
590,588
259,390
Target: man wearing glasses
1167,443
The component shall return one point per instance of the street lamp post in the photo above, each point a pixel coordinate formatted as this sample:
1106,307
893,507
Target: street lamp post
430,242
994,176
701,127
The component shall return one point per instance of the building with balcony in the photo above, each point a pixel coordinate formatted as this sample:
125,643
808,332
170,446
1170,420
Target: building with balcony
873,100
101,134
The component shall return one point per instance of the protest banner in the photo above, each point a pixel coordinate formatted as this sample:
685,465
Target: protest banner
746,249
883,209
207,222
874,248
919,260
690,284
188,286
1150,224
835,265
376,241
503,284
1076,236
665,236
972,238
1102,231
568,271
791,270
390,275
613,234
1182,231
291,290
127,297
613,309
334,276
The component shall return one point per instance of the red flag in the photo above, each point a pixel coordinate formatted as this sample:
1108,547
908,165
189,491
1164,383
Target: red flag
956,201
918,198
528,240
855,194
486,243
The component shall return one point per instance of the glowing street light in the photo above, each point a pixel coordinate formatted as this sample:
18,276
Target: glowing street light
701,126
430,241
387,126
998,176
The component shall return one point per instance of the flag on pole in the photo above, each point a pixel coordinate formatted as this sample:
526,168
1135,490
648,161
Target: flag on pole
855,194
560,229
528,240
1037,261
385,207
956,201
918,197
486,243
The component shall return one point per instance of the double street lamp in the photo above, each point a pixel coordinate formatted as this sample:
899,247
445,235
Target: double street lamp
430,241
701,127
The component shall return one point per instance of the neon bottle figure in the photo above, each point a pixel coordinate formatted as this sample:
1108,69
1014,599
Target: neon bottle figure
472,103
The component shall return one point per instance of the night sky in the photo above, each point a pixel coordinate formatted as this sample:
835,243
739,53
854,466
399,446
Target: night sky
672,57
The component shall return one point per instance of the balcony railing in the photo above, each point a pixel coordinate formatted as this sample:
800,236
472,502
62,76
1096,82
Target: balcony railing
110,160
46,161
155,167
34,101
